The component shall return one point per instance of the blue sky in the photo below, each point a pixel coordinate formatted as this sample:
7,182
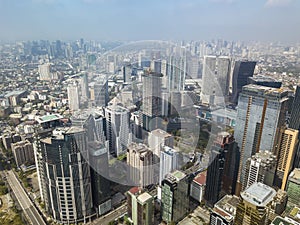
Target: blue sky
265,20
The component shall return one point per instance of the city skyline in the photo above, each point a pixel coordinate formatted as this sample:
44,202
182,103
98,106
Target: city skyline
269,20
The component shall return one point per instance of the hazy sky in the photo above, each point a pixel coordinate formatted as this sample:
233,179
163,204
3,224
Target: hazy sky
276,20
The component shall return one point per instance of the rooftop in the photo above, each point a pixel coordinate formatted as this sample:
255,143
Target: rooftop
160,133
143,198
226,207
201,178
48,118
295,176
283,221
259,194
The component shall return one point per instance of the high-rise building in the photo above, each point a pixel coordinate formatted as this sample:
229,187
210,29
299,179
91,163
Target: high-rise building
65,181
223,75
265,81
223,154
254,205
241,72
224,211
101,91
85,86
169,161
159,138
152,99
126,73
286,153
175,197
176,72
260,167
73,96
208,78
117,129
293,187
44,71
23,153
261,115
140,207
140,161
294,123
197,187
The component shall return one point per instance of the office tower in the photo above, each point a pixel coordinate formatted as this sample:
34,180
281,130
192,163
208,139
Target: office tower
217,185
176,72
294,123
73,96
101,91
193,67
85,86
197,187
98,161
265,81
159,138
65,181
241,72
169,161
152,101
286,153
175,197
293,187
140,162
224,211
175,103
126,73
223,75
155,66
44,71
254,205
208,78
260,116
49,121
23,153
117,129
261,167
140,207
278,205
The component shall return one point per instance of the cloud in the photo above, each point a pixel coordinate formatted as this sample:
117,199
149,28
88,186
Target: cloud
275,3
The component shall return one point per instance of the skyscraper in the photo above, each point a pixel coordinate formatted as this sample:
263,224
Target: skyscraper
222,156
286,153
223,75
140,207
44,71
84,86
254,205
261,115
140,161
294,123
152,101
175,197
73,96
208,78
117,129
241,72
169,161
101,91
260,167
66,183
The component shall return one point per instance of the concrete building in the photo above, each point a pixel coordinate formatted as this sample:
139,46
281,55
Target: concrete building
265,81
44,71
140,207
159,138
175,197
140,162
23,153
286,154
224,211
293,187
254,205
117,129
260,117
100,91
197,187
169,161
261,167
73,96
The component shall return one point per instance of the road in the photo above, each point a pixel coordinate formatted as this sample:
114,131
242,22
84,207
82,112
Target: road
104,220
26,204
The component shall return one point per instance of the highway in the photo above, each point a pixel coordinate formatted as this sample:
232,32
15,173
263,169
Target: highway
111,216
26,204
